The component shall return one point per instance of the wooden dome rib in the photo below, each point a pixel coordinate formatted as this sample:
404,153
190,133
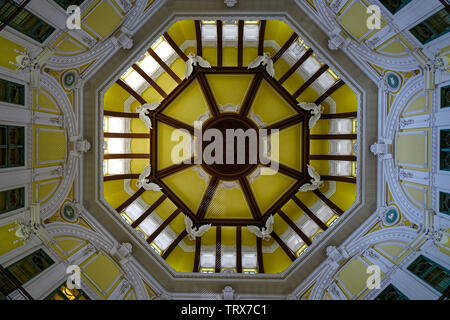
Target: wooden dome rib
299,175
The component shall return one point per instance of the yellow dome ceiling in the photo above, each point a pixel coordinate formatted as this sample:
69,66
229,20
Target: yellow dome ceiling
230,197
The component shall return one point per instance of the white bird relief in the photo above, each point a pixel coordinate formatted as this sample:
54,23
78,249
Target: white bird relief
194,60
264,232
316,111
194,232
143,181
265,60
315,182
143,111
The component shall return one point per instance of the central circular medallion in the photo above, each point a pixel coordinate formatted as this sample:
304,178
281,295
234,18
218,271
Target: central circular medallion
230,146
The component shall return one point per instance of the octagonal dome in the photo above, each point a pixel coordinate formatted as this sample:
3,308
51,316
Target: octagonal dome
152,110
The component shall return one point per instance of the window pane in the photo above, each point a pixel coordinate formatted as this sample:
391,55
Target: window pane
25,22
12,199
391,293
444,203
432,273
394,5
445,97
30,266
66,3
445,150
432,28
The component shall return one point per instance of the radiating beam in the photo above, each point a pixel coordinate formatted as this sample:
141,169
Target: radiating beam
127,135
344,115
283,246
284,198
296,65
128,89
174,244
239,249
310,214
176,200
328,202
164,65
240,42
147,212
207,197
149,80
130,200
333,136
175,47
339,178
229,222
218,249
286,123
249,196
259,255
175,92
251,95
284,93
294,227
330,91
163,225
126,156
262,31
116,114
283,169
174,122
174,169
209,96
332,157
286,46
198,35
308,82
230,70
219,26
198,246
154,145
121,176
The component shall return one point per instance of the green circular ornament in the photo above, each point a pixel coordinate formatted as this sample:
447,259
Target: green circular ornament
391,216
69,212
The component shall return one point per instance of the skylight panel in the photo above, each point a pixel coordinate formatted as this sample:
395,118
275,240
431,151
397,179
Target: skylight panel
230,32
324,213
309,228
134,210
209,32
134,80
296,50
164,50
249,260
149,226
207,259
251,32
116,145
116,166
228,260
310,66
116,124
341,126
343,168
326,80
343,147
163,240
149,65
294,242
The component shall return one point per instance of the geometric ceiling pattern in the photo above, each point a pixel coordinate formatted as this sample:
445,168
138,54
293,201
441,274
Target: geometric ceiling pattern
229,195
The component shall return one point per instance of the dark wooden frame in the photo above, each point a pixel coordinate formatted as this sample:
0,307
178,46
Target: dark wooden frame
301,177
